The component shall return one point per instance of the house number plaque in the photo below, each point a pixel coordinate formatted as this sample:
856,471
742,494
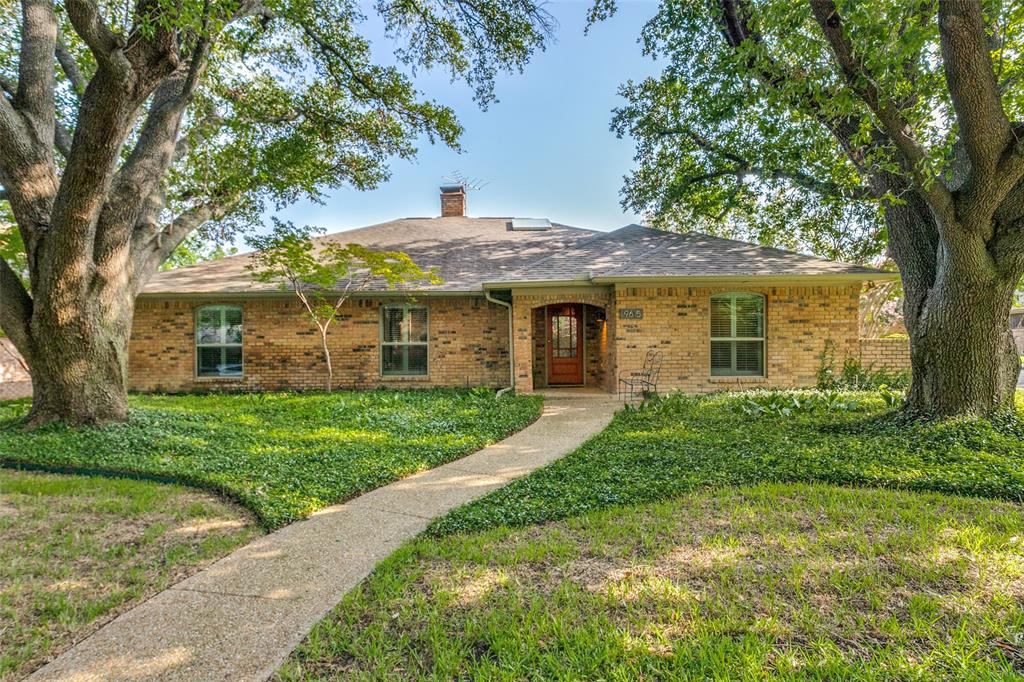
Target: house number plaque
631,313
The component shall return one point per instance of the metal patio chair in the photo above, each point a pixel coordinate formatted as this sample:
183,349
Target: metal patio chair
642,383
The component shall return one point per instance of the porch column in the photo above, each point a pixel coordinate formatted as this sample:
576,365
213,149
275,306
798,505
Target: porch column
522,344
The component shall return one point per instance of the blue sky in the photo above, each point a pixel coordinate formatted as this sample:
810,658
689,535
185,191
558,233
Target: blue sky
544,149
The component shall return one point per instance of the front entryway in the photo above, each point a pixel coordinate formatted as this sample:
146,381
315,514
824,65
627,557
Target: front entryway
564,347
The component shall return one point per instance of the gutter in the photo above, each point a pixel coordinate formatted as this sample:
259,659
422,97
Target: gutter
288,293
531,283
823,279
511,343
752,280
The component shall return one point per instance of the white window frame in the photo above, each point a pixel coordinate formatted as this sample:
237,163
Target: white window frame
732,372
222,309
405,308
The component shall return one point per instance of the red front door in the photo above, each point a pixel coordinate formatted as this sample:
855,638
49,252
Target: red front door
565,347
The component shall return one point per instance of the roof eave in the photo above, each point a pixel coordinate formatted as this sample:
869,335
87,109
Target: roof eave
538,283
826,278
206,295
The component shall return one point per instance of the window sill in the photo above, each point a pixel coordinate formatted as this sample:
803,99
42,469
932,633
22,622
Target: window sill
405,377
737,380
216,380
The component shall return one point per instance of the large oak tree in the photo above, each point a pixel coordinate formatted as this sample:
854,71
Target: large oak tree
127,125
894,121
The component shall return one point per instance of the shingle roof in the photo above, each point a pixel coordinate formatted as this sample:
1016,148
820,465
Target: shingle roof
472,252
466,251
701,255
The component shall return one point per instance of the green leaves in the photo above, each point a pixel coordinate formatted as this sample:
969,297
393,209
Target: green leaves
753,129
679,444
281,455
291,101
789,403
324,273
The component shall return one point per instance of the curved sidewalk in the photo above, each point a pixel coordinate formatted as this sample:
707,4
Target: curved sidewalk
240,618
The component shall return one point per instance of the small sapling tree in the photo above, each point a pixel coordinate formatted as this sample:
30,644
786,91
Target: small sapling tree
324,275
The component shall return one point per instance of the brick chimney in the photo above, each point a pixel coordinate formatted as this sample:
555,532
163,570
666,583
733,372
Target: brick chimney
453,201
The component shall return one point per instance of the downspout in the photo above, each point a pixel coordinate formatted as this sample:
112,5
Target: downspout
511,344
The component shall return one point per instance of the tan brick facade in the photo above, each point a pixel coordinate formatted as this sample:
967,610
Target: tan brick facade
891,354
525,330
468,346
469,340
676,320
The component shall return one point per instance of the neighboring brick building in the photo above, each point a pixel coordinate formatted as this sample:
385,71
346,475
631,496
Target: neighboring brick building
887,353
579,306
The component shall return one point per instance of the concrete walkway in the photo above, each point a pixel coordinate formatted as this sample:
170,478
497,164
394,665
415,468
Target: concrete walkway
241,617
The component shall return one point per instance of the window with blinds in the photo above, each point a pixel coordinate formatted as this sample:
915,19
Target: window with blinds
737,335
403,340
219,341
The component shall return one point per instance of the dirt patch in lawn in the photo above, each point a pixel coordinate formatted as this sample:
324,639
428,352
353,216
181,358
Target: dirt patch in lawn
6,508
75,552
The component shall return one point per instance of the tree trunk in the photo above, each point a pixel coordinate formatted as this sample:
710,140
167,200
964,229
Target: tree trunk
79,363
327,358
964,361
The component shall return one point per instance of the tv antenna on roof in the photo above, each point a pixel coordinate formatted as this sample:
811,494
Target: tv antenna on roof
456,177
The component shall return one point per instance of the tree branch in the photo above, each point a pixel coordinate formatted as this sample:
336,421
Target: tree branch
745,167
62,139
140,176
983,126
154,248
35,95
70,67
366,90
123,81
911,153
736,29
8,86
16,144
106,46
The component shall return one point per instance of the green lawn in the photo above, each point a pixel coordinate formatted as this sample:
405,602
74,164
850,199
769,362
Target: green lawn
790,581
76,550
691,540
681,444
281,455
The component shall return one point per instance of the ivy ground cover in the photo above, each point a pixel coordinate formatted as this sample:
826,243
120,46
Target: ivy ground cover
281,455
726,537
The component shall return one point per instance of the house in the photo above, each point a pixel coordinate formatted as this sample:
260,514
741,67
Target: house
529,303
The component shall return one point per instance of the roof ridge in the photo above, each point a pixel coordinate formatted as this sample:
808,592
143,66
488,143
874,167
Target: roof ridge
598,234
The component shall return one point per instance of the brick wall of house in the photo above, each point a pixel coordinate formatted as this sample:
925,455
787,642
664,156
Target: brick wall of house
281,348
596,345
469,340
524,303
676,320
595,348
891,354
540,348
